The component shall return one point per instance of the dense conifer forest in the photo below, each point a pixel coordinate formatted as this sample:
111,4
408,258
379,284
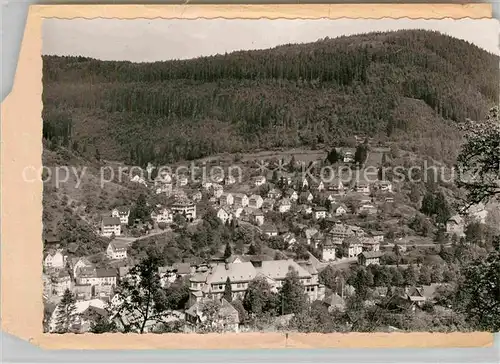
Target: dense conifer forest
394,86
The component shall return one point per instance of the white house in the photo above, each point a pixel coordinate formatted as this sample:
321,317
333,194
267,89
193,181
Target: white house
339,209
292,194
117,249
258,218
240,199
362,187
319,212
284,205
224,214
226,198
55,260
385,186
255,201
328,252
217,190
165,215
110,226
122,213
368,209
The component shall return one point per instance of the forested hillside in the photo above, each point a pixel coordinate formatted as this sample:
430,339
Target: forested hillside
407,87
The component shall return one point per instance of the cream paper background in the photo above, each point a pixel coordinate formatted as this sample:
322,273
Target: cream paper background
21,204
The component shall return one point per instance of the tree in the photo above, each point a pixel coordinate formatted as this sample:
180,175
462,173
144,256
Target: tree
228,292
228,252
141,293
410,276
102,325
478,163
333,156
479,293
258,297
292,297
397,252
361,153
425,275
66,313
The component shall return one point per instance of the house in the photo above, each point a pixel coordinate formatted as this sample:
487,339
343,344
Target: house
80,264
367,258
163,183
334,302
255,201
370,244
62,282
292,194
319,186
259,181
306,197
117,249
455,226
224,214
186,208
122,213
336,186
368,209
227,318
111,226
106,276
320,212
338,209
82,292
284,205
170,274
354,246
268,204
212,282
362,187
328,251
309,234
258,217
226,198
164,215
389,199
348,156
385,186
240,199
217,190
84,313
274,193
269,230
54,260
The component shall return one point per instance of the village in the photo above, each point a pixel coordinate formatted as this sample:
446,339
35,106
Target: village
307,226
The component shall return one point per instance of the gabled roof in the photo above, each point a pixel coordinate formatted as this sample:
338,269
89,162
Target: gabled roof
107,220
370,255
334,300
106,272
278,269
123,209
119,244
236,272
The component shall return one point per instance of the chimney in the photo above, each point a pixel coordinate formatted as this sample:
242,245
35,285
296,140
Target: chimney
226,264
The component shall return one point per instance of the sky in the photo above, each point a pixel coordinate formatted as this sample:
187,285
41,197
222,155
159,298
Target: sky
149,40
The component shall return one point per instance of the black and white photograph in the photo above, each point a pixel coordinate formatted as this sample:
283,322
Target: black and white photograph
312,176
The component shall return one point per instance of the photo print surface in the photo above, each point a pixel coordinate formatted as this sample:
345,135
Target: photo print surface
270,176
